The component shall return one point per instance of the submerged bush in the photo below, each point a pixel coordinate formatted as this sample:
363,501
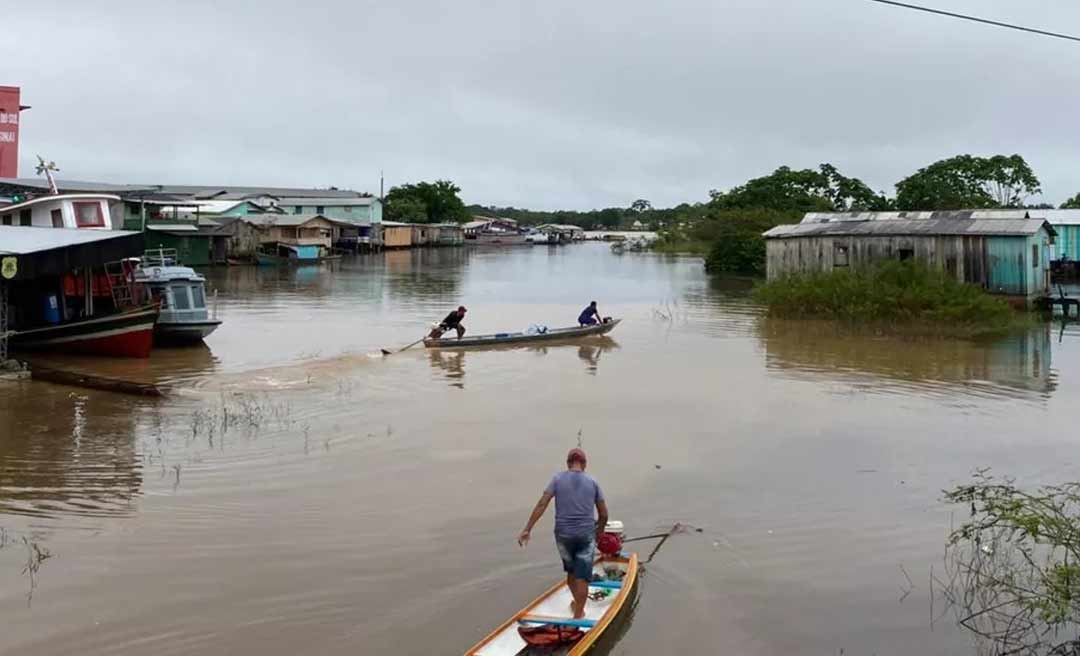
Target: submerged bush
894,292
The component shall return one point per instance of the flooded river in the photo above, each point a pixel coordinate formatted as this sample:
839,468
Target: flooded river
298,494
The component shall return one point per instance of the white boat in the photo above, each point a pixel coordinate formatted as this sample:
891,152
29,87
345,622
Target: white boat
182,293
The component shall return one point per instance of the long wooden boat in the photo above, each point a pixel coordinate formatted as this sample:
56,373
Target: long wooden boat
498,339
553,608
128,334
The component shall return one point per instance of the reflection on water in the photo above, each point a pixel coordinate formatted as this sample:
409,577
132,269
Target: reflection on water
1017,365
450,362
67,453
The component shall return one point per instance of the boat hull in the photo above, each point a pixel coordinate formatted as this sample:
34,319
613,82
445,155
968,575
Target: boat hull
607,615
497,240
188,332
500,339
125,334
263,259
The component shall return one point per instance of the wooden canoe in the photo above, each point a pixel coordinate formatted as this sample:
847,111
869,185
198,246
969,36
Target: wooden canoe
554,607
555,334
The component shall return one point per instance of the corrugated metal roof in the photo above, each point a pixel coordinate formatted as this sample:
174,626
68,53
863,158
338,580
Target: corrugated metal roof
1057,217
232,192
282,219
924,227
24,240
326,201
832,217
172,227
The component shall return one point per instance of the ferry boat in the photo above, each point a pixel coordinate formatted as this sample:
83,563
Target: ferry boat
67,286
181,293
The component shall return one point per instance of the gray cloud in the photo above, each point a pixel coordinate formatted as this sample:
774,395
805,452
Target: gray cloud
549,105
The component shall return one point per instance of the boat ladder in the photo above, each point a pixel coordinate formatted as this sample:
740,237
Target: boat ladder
121,276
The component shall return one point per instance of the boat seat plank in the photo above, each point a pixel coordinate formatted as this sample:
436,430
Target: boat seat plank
610,585
558,621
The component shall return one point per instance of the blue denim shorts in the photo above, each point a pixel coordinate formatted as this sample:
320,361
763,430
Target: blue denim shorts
577,555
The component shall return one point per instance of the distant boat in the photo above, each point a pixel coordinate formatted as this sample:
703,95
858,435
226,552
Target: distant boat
283,254
182,293
499,339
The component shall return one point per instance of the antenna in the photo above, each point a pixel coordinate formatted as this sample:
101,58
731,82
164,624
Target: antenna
47,168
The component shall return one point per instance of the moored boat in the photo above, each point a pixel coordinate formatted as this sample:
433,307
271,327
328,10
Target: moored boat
284,254
181,292
612,590
524,337
72,290
129,333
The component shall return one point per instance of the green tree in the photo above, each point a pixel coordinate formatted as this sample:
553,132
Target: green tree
1072,204
806,190
737,245
968,182
439,199
640,205
408,209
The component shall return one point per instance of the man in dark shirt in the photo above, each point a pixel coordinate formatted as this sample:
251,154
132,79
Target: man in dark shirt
452,320
590,316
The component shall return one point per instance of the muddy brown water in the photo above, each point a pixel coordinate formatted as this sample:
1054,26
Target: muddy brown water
297,494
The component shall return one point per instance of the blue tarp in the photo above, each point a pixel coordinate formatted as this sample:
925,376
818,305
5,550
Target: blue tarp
306,252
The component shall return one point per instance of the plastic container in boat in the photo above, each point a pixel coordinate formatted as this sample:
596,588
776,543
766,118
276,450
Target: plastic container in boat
51,309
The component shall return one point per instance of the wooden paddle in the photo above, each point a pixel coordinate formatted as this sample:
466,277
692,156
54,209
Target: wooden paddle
387,352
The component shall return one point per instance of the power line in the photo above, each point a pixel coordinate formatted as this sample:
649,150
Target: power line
976,19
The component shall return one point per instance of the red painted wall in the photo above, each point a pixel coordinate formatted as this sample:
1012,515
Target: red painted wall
9,132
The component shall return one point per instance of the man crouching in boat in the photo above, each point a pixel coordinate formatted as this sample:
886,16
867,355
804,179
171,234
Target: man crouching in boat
452,320
576,531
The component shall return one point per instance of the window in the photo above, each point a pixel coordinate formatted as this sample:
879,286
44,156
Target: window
197,300
180,298
299,209
7,219
907,254
88,215
26,217
1034,256
840,255
319,209
57,218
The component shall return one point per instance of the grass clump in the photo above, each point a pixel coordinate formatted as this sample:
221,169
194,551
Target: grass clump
903,294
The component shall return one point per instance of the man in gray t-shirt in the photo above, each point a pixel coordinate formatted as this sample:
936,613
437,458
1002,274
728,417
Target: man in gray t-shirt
575,494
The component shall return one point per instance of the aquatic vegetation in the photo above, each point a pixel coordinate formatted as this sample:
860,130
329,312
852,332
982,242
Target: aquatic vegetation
1013,568
906,295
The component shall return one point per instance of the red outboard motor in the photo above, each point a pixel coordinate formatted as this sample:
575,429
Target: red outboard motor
610,541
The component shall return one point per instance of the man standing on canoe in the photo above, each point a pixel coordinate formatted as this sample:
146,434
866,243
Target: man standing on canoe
452,320
590,316
576,532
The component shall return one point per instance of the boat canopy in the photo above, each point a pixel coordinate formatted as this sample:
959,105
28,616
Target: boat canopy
54,251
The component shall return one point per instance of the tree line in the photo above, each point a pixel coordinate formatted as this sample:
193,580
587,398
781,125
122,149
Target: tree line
960,182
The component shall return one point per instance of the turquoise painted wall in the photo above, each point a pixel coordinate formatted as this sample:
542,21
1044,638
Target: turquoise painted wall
360,213
240,210
1019,265
1067,243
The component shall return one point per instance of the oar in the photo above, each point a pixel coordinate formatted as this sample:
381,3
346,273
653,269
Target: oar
663,537
386,352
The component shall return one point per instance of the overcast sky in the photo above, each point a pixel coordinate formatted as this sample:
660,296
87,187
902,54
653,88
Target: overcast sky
552,104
